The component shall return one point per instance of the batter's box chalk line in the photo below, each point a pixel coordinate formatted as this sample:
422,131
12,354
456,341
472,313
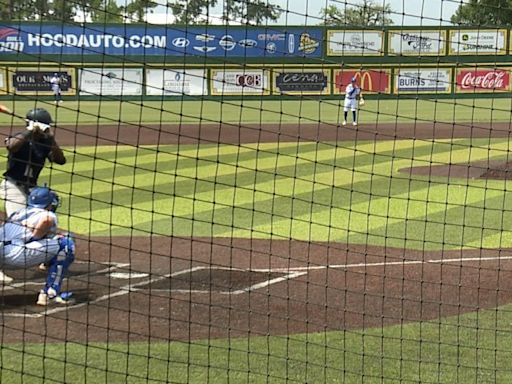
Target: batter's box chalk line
110,267
289,273
142,286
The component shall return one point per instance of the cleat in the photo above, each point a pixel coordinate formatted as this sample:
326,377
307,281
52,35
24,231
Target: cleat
4,278
354,124
344,123
64,298
42,267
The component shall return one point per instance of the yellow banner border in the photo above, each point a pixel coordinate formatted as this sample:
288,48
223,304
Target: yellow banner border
443,35
71,71
397,74
501,52
329,37
358,71
325,71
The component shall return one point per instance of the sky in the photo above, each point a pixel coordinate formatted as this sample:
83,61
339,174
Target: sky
306,12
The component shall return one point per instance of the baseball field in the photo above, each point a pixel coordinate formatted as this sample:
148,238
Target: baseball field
260,242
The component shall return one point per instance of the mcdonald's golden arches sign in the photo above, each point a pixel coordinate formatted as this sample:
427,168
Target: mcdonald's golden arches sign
370,80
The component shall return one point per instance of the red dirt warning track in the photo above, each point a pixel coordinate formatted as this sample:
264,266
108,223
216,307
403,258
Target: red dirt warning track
159,289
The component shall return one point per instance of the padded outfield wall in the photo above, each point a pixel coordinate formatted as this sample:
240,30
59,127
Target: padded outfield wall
173,61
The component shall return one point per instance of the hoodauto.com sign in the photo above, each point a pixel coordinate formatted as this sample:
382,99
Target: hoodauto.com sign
199,41
96,41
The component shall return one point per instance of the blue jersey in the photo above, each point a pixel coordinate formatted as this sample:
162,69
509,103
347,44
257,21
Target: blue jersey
351,92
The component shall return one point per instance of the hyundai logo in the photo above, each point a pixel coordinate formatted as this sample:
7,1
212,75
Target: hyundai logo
181,42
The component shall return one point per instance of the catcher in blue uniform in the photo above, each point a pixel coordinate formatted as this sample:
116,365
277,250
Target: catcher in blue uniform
29,237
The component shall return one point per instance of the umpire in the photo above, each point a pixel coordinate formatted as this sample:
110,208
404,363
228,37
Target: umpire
28,151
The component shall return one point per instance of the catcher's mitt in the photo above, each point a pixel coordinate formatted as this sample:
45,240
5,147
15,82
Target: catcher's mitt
361,102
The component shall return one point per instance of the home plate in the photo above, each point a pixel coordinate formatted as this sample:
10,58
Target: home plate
128,275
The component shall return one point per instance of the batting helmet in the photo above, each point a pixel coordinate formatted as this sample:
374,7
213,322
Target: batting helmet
41,116
43,197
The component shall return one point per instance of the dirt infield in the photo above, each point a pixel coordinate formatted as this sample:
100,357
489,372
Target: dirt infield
159,289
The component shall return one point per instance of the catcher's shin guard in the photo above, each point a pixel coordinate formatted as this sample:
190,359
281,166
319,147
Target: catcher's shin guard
59,265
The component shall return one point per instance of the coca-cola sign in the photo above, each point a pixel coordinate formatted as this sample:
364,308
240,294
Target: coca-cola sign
483,80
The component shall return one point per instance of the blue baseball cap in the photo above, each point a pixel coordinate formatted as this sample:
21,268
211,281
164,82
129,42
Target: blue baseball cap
353,80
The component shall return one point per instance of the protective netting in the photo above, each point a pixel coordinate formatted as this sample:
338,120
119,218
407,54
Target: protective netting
259,191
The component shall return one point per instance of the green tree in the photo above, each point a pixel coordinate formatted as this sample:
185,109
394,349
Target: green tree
489,13
244,11
137,9
367,13
191,11
62,10
103,11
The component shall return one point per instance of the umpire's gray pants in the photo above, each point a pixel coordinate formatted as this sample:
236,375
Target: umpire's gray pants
14,197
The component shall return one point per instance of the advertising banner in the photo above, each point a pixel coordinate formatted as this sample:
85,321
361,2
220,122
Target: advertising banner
483,80
302,81
3,81
417,43
149,40
478,42
175,82
355,43
370,80
110,81
437,80
33,81
239,82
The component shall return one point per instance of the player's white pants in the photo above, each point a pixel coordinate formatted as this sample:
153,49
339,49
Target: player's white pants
350,104
22,256
14,196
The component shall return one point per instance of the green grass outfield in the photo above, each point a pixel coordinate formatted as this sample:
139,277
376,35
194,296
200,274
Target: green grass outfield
472,348
343,192
268,111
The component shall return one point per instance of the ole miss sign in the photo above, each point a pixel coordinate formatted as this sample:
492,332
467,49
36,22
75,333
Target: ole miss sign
483,80
369,80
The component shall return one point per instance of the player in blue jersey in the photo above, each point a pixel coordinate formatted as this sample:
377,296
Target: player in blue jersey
27,155
29,237
352,94
55,83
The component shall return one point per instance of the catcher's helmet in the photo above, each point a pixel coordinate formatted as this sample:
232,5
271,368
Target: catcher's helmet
42,197
41,116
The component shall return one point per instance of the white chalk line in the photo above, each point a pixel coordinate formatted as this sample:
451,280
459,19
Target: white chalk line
111,267
291,272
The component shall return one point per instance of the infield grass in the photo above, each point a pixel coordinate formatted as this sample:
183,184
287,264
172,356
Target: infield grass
471,348
341,192
345,192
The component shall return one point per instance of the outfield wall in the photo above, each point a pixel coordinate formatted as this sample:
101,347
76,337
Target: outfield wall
98,60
